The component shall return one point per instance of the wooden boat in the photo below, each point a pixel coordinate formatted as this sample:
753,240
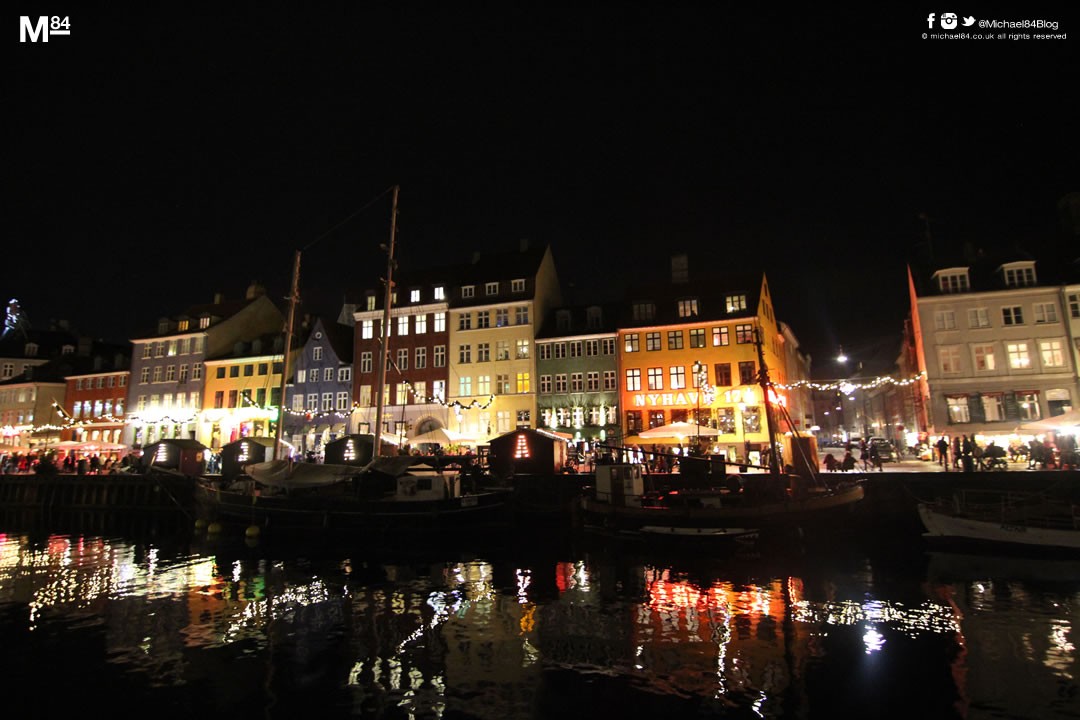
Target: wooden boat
389,494
766,502
1008,518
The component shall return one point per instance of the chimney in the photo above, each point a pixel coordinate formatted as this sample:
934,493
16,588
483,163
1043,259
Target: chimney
475,257
218,298
523,244
254,290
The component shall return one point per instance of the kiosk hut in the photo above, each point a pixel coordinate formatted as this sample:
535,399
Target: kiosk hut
526,451
184,456
356,449
245,451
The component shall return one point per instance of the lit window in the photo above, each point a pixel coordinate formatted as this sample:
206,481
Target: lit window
688,308
984,358
734,303
1018,355
440,292
420,326
1052,354
950,359
633,380
414,296
958,409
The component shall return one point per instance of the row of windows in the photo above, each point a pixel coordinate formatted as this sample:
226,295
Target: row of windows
7,371
23,394
101,382
504,423
169,373
744,334
438,292
677,376
502,351
402,392
248,370
1019,275
1011,315
344,374
576,348
401,359
687,307
169,348
419,325
492,318
579,382
184,325
1017,355
182,401
326,402
245,398
97,408
994,407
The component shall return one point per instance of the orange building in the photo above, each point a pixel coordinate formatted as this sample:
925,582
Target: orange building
688,351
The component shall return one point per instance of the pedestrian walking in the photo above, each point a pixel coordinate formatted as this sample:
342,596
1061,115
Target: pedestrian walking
943,453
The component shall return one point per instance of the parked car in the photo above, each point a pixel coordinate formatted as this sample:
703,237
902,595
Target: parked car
886,451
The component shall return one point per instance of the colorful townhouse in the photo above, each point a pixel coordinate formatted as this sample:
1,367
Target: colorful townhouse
319,396
496,308
577,367
166,390
687,351
242,392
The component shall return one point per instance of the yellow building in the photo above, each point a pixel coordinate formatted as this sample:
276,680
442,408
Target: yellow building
242,394
688,350
494,315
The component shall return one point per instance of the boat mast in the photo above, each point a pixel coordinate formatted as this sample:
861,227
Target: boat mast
384,343
766,384
294,298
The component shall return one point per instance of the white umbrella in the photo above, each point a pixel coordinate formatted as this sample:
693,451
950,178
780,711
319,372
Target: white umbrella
443,436
1054,422
680,430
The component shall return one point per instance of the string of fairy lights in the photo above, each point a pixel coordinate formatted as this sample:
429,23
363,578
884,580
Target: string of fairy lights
70,422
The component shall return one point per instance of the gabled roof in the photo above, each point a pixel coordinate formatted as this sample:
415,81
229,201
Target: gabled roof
338,336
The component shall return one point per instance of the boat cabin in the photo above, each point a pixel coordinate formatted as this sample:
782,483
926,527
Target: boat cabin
420,484
184,456
620,484
245,451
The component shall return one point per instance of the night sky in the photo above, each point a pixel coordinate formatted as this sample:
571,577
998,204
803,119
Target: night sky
159,157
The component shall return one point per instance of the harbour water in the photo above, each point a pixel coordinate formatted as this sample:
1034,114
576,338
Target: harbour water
536,623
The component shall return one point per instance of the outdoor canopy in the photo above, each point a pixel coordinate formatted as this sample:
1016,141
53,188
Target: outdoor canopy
680,430
1055,422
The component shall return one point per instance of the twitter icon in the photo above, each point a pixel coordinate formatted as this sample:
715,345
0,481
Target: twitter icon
969,21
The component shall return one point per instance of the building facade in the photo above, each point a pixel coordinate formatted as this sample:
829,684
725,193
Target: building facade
166,388
242,392
994,344
319,398
577,367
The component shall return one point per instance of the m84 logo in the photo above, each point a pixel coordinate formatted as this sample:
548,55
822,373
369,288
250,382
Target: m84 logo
39,30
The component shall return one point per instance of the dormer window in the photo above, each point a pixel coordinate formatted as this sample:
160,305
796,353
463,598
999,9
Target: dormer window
440,292
593,318
467,291
562,320
734,303
644,311
491,288
67,350
952,280
518,285
31,349
162,327
204,322
688,308
370,302
414,296
1019,274
183,325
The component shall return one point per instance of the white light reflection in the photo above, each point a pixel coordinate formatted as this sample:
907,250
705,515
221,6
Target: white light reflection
873,640
928,617
524,580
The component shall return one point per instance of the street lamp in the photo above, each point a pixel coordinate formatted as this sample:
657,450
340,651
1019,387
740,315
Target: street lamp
698,369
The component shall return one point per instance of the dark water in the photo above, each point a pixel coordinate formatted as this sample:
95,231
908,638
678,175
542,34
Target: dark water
535,624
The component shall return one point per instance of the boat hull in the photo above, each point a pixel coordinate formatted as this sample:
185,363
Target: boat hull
946,525
788,513
350,513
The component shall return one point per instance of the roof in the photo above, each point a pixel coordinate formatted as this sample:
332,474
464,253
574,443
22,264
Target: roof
708,286
340,338
984,271
579,317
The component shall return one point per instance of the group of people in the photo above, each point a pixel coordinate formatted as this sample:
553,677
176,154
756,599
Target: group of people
965,453
869,456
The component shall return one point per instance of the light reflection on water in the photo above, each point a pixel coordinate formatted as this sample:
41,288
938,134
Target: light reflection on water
547,638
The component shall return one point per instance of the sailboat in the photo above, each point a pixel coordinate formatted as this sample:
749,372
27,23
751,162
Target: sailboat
386,493
727,507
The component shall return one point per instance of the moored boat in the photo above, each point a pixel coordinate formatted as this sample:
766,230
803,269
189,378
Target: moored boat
1007,518
389,494
765,502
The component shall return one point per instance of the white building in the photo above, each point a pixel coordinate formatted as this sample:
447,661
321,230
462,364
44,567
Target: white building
994,343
